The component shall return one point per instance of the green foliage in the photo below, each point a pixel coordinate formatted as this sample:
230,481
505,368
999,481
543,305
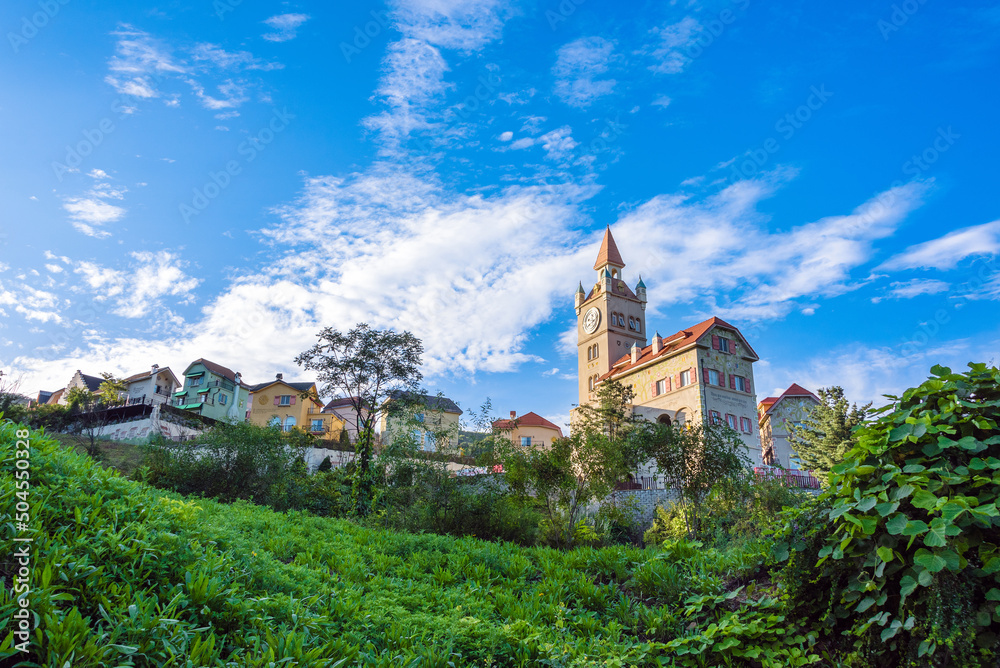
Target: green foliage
112,390
127,575
232,461
827,434
694,460
324,465
367,365
902,553
345,438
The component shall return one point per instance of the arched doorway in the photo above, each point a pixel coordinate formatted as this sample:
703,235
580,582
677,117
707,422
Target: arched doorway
664,419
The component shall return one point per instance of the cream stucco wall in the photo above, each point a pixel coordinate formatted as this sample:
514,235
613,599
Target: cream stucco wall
777,426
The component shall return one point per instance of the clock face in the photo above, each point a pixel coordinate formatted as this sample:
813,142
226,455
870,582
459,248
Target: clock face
591,320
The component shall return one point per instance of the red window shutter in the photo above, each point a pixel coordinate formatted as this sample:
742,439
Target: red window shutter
747,381
693,377
677,380
292,400
715,342
277,401
706,375
652,389
732,382
722,379
668,382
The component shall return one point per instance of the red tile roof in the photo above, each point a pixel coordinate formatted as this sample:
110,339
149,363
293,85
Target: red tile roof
341,403
527,420
217,369
671,344
794,390
609,252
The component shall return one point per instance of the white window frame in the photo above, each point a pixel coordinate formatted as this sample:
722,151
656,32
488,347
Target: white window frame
526,441
285,400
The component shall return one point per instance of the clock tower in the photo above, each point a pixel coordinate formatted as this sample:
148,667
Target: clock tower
610,318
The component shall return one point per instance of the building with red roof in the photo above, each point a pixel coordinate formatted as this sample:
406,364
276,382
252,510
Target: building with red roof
530,429
701,372
775,418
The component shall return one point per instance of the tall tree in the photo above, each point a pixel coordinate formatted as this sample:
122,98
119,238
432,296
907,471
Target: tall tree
365,365
112,390
823,438
694,458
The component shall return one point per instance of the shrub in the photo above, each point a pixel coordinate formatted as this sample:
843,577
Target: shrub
902,553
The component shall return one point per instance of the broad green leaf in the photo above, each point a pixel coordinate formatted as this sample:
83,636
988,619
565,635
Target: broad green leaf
865,603
951,559
866,504
884,553
952,509
901,432
914,528
935,536
896,525
902,492
886,509
868,524
993,594
914,468
907,585
932,562
924,499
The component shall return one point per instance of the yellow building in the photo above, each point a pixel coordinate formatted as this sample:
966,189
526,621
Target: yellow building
433,421
703,372
531,429
292,405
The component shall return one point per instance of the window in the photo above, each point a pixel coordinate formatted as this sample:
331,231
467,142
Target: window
740,383
590,384
418,417
418,436
664,419
590,353
638,326
316,426
430,442
631,323
686,377
715,417
597,350
223,398
196,382
713,377
525,441
725,345
731,420
285,400
289,423
745,425
661,387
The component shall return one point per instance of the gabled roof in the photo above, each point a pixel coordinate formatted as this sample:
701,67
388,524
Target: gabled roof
430,402
768,405
342,402
298,387
609,252
672,344
527,420
92,382
217,369
146,374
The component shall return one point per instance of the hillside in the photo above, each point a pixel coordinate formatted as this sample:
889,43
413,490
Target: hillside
124,574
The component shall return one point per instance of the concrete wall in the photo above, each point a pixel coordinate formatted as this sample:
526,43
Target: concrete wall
647,500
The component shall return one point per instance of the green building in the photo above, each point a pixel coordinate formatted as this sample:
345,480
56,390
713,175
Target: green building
213,391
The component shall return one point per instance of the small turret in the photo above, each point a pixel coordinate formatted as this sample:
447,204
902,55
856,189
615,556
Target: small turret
606,279
580,295
640,292
657,343
635,352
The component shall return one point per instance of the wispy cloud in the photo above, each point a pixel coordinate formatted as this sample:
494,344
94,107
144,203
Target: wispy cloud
93,211
139,289
913,288
284,27
578,67
947,251
670,52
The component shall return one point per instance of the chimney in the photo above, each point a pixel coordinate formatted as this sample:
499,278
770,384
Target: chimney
279,376
513,415
657,343
635,353
156,369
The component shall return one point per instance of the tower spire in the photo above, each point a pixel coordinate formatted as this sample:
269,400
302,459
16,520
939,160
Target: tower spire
609,252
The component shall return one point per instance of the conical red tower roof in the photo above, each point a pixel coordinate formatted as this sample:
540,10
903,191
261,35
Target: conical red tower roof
609,252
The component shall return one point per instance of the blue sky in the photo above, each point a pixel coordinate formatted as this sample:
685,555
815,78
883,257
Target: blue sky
222,178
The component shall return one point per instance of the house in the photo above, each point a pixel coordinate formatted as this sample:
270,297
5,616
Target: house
432,420
343,409
213,391
701,373
155,386
775,417
82,381
531,429
289,405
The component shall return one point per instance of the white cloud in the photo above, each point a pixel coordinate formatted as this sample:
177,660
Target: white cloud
947,251
285,26
672,51
89,214
216,56
662,102
559,143
578,66
913,288
139,289
506,136
718,253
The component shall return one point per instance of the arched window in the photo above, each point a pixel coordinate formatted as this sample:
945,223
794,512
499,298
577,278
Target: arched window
638,326
597,350
631,322
289,422
664,419
590,384
590,353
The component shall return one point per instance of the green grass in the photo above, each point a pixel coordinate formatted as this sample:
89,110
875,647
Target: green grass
121,456
124,574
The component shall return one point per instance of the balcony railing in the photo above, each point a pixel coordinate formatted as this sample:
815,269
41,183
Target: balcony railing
800,479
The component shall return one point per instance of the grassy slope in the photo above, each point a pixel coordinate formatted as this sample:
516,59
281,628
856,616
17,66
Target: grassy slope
128,575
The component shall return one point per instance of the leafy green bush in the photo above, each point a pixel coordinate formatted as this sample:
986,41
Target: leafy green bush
902,553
